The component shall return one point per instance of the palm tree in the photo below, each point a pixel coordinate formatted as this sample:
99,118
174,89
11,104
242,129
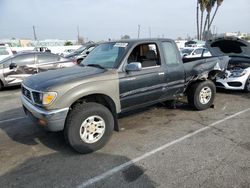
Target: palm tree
203,4
209,5
197,19
219,2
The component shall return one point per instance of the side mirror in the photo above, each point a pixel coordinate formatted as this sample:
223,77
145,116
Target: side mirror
87,52
134,66
13,65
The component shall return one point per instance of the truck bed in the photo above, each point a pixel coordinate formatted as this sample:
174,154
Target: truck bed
195,68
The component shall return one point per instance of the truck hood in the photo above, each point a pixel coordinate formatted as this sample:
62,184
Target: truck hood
230,46
47,80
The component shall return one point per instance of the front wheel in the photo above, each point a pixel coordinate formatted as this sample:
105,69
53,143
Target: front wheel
88,127
1,85
201,95
247,85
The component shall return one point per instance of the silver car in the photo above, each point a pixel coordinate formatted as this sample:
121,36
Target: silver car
238,70
15,68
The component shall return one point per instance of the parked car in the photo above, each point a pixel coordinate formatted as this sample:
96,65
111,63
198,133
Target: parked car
66,52
116,77
79,54
19,66
195,52
238,70
186,51
5,51
42,49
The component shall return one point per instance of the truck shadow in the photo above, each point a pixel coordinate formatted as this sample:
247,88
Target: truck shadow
71,170
177,105
11,88
24,131
241,93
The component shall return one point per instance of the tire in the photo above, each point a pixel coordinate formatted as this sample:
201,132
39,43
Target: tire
83,121
1,85
79,61
247,85
201,95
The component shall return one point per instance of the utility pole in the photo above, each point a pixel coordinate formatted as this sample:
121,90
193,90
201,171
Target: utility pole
34,32
149,29
78,34
139,30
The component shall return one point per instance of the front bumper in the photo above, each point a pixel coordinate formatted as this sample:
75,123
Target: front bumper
51,120
237,83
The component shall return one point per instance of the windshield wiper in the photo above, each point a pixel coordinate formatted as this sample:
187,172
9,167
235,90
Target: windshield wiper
96,65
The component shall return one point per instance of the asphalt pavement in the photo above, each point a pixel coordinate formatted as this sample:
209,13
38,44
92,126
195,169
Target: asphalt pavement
157,147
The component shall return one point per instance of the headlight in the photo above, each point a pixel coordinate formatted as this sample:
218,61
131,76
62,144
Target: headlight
237,73
45,98
49,97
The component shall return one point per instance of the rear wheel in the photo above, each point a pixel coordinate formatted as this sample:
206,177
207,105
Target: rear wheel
247,85
88,127
201,95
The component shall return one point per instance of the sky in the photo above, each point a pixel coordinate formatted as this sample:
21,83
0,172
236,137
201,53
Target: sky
104,19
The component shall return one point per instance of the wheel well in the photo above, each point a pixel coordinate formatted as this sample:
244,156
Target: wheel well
194,82
214,73
101,99
190,85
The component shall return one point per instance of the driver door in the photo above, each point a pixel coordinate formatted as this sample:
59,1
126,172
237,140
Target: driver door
140,88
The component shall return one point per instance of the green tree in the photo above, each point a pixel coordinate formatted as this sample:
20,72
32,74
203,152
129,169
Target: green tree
125,37
68,43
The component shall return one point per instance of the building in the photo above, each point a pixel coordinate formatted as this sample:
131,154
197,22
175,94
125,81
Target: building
31,43
237,34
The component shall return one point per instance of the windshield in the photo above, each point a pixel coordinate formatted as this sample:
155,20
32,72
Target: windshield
79,50
106,55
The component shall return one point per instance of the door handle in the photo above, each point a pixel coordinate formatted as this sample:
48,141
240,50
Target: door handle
161,73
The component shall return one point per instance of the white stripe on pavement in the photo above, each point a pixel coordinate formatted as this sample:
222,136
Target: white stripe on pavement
148,154
12,119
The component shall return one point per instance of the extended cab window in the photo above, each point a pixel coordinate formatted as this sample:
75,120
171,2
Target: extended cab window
146,54
171,55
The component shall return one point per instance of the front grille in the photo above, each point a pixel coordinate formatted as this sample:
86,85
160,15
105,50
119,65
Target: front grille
235,84
37,97
26,93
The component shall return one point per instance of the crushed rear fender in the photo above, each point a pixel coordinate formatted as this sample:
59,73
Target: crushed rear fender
207,68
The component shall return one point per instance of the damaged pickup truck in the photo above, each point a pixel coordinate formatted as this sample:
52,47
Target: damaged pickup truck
237,75
84,101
